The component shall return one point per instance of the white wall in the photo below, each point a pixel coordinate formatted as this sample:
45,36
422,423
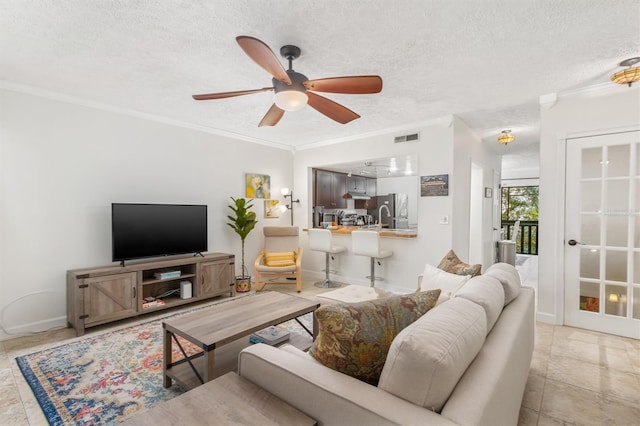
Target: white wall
435,153
61,167
469,150
599,110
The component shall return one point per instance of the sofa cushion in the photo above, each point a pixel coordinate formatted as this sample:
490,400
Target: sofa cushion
487,292
355,338
434,278
452,264
427,359
287,258
509,278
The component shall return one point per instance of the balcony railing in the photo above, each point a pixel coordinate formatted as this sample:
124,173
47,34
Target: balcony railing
527,242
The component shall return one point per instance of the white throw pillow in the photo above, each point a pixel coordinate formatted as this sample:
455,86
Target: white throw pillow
434,278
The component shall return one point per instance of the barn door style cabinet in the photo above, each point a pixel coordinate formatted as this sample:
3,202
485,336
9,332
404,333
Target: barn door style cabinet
101,295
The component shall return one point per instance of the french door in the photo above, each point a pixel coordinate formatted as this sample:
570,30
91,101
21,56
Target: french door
602,233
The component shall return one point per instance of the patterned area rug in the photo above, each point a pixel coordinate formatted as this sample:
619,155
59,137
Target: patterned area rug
104,379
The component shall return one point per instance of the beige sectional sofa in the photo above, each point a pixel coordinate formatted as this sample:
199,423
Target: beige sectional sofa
465,362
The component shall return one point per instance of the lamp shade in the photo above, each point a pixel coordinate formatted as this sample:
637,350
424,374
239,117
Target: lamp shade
629,75
626,76
506,137
290,100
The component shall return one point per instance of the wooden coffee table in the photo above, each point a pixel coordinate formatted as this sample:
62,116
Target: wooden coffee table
221,324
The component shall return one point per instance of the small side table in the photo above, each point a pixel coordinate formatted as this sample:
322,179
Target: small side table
227,400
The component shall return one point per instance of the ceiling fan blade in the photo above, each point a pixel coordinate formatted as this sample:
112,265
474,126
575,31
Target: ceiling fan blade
272,116
229,94
263,56
331,109
357,85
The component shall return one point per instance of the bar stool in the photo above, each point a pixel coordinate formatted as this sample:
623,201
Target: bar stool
321,240
367,243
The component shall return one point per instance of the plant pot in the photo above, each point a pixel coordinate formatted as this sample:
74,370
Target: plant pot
243,284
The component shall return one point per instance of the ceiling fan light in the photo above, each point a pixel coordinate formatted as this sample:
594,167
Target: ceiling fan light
290,100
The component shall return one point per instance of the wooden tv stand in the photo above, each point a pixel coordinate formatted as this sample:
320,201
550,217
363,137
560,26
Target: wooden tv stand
101,295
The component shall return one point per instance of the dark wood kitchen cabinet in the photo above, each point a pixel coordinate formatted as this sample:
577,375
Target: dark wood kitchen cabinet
329,188
371,186
357,184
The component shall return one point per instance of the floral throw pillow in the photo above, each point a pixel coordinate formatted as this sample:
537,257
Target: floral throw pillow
354,338
451,264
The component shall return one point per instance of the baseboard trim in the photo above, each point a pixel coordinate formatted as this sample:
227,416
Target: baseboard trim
33,327
546,318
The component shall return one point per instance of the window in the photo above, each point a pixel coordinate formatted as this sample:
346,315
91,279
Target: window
520,203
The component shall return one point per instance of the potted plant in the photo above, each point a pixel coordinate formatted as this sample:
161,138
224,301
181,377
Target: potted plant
242,223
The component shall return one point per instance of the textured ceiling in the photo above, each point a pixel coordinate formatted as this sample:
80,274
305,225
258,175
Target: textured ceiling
486,61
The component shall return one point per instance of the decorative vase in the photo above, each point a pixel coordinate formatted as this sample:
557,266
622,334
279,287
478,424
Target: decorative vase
243,284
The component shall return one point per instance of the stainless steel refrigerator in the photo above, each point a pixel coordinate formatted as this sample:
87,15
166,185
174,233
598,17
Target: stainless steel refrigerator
398,216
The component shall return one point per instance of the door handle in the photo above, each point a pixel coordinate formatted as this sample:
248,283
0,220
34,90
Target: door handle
574,242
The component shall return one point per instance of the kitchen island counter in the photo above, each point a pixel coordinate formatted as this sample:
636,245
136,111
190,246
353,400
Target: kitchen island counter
384,232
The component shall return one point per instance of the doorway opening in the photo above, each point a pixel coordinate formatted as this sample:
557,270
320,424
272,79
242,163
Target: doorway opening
520,204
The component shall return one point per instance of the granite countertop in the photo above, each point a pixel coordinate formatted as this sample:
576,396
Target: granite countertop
384,232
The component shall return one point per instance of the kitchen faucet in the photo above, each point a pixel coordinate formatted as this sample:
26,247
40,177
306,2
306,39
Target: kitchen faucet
384,206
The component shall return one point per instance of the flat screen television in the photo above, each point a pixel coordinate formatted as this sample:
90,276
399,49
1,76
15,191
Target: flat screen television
153,230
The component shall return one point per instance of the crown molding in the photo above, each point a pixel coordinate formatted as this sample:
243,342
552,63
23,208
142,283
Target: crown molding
47,94
445,121
549,100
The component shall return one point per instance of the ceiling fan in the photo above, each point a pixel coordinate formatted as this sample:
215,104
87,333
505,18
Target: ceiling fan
294,90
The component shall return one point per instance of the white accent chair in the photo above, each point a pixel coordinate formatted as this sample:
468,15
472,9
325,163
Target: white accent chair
367,243
322,240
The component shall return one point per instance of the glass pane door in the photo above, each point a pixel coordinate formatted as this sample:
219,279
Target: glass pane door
602,233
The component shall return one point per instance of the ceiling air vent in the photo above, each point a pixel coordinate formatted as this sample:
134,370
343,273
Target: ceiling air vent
407,138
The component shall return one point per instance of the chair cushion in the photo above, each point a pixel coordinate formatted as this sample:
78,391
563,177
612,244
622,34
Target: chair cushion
276,269
427,359
433,278
280,231
509,277
487,292
280,259
354,338
450,263
281,238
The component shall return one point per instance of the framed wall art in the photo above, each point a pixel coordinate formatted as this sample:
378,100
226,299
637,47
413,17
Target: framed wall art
257,186
434,186
271,210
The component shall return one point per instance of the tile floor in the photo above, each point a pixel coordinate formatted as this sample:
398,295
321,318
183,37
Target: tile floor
577,377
